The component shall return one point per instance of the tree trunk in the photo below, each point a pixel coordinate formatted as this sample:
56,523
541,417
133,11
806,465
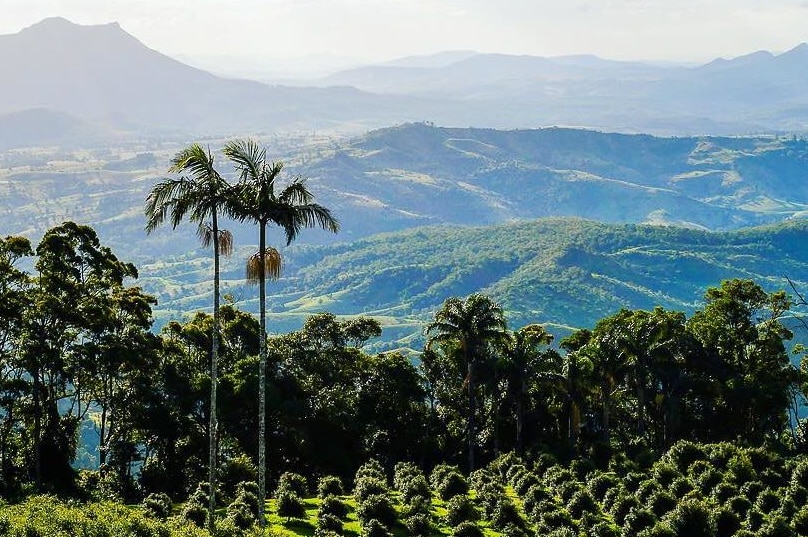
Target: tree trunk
214,380
607,403
262,377
520,416
472,407
37,433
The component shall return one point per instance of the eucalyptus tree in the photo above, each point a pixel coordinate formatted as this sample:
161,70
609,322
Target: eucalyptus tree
262,200
203,195
470,329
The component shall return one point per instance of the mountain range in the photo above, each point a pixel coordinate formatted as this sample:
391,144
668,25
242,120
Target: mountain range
104,77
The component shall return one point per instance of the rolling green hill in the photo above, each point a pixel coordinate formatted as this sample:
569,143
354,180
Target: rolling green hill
566,272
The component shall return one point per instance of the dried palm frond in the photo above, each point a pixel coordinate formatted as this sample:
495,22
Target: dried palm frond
271,266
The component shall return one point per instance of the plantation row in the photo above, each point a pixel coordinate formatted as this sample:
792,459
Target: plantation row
710,490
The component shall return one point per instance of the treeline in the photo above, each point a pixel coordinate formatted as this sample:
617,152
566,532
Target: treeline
76,344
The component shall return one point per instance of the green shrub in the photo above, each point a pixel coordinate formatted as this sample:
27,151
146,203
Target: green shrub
740,468
567,490
403,473
600,482
467,529
290,505
506,514
374,528
726,522
378,507
460,509
680,487
418,505
418,525
452,484
767,501
482,477
755,519
776,526
684,453
582,502
555,518
740,505
329,522
544,462
664,473
661,503
372,469
329,485
604,528
800,521
636,521
331,505
156,504
524,482
533,496
724,491
233,471
439,472
691,518
294,483
368,486
241,514
751,490
799,475
646,489
416,487
196,508
622,506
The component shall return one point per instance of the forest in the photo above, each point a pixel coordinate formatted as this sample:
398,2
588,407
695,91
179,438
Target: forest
651,422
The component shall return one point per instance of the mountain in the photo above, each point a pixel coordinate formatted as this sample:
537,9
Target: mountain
565,272
421,174
38,126
103,75
418,174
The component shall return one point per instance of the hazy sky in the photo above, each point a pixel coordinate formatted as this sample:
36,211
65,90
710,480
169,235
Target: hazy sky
690,30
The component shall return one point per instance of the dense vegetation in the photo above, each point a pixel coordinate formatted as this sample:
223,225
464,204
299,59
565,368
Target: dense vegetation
615,408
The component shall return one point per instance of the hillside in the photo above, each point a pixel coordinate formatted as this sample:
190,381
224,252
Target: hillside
566,272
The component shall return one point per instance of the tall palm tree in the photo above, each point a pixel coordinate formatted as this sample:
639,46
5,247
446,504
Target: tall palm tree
262,200
524,361
203,195
474,325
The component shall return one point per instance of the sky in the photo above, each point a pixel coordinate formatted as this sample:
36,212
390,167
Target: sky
379,30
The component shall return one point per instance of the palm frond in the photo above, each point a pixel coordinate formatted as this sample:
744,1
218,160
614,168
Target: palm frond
271,266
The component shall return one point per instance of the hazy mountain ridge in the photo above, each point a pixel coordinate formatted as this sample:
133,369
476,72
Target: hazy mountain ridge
104,76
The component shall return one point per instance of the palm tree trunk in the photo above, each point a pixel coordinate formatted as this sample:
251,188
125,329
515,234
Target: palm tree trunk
262,376
472,408
520,416
214,381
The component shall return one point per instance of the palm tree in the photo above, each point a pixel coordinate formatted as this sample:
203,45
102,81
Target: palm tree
474,325
203,195
522,362
263,201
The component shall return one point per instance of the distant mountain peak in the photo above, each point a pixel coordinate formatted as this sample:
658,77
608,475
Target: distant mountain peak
54,25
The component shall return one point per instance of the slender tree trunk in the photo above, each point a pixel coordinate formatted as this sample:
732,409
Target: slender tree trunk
214,381
641,398
520,416
472,407
607,402
37,429
262,376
